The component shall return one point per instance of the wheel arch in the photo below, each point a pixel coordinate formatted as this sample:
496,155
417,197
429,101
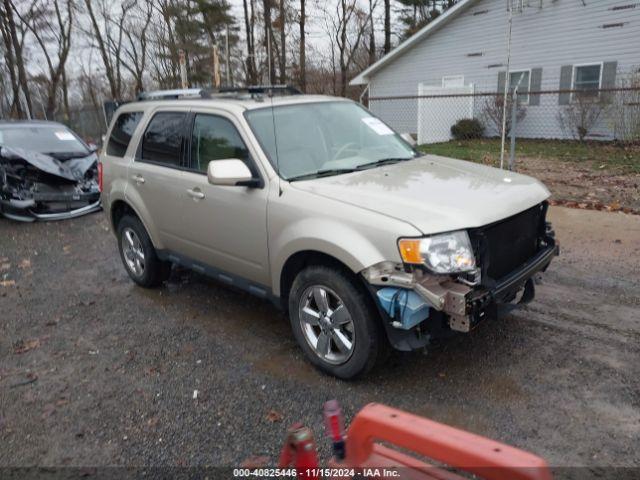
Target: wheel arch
300,260
120,208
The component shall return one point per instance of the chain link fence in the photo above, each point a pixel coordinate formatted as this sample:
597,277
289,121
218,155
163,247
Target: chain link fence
87,121
439,114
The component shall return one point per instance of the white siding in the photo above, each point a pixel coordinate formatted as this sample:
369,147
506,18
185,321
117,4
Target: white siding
563,32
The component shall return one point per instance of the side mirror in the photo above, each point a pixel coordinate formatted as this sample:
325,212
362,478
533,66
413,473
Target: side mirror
229,173
407,137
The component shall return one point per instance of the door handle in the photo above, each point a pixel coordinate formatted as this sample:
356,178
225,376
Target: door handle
196,194
139,179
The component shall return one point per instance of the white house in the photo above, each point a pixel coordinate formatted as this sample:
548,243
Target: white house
557,45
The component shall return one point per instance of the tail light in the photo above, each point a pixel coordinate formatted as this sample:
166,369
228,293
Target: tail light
100,169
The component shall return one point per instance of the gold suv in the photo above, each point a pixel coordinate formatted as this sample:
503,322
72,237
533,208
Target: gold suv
316,204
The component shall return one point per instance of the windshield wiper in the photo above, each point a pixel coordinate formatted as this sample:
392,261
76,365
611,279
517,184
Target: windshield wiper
384,161
322,173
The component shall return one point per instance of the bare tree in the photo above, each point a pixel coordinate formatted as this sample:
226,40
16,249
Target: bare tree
282,23
346,26
135,51
14,38
303,46
109,34
249,25
268,39
387,26
51,23
580,117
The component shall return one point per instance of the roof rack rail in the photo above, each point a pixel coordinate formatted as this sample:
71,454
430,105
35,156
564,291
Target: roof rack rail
253,91
270,90
172,94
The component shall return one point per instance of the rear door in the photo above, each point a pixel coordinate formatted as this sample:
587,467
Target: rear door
156,177
225,227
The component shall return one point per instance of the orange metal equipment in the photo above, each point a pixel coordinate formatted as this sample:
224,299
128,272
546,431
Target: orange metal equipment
452,450
300,452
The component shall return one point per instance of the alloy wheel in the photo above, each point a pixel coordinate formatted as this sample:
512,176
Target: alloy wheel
327,324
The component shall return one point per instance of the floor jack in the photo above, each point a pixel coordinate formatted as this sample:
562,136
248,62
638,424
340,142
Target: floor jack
359,453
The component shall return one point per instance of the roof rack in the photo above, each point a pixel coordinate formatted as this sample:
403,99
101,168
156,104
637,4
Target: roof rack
189,93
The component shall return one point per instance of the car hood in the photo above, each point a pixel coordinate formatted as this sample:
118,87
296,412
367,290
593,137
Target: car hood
73,169
434,194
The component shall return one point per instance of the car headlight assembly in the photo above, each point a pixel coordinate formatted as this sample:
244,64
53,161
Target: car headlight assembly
443,253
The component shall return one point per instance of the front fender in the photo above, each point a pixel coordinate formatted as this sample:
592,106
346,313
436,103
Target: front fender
330,237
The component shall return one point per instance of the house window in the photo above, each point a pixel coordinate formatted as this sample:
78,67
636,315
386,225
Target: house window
587,79
453,81
521,80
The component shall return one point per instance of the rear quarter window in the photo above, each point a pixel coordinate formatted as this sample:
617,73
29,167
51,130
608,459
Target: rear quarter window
121,133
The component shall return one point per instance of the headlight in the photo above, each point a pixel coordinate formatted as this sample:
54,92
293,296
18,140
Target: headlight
445,253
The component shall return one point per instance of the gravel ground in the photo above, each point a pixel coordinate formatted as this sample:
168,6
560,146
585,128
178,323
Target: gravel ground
107,371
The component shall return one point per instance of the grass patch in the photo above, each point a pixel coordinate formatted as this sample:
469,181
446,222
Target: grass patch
601,155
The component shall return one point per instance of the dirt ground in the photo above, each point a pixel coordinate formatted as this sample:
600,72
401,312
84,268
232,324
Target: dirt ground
585,185
97,372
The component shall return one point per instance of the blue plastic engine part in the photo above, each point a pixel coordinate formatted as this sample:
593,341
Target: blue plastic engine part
405,307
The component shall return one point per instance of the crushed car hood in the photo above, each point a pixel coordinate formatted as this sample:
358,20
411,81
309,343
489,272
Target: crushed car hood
72,170
434,194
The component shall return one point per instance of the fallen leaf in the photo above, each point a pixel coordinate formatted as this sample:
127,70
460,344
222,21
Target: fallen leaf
4,266
26,263
7,283
48,410
274,416
66,248
22,346
254,462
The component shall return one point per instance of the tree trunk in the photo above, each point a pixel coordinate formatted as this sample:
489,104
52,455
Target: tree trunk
113,86
15,106
343,47
387,26
372,35
251,75
65,95
18,58
303,47
283,44
268,39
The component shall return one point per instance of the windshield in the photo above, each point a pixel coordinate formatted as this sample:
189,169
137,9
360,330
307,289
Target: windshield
48,139
319,139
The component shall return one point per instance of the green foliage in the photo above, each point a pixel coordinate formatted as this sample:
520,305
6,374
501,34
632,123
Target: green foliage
467,129
416,14
196,26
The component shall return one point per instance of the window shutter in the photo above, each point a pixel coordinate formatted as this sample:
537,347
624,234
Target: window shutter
566,75
502,77
536,86
609,71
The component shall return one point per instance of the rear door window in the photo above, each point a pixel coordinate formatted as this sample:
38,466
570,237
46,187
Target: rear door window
162,141
122,132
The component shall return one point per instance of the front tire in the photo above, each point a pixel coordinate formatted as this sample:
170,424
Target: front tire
139,255
334,322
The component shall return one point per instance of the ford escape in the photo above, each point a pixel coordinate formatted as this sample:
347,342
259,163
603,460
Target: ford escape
316,204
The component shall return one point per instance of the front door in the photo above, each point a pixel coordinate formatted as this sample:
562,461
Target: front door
225,227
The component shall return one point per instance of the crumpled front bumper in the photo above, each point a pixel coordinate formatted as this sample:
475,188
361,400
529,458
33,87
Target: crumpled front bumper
461,304
25,210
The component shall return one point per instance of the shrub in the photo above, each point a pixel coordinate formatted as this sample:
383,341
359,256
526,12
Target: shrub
492,113
580,117
467,128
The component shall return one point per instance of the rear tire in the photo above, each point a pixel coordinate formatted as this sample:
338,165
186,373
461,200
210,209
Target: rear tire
138,254
338,330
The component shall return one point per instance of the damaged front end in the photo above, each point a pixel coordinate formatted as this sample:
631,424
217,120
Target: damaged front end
418,306
34,186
